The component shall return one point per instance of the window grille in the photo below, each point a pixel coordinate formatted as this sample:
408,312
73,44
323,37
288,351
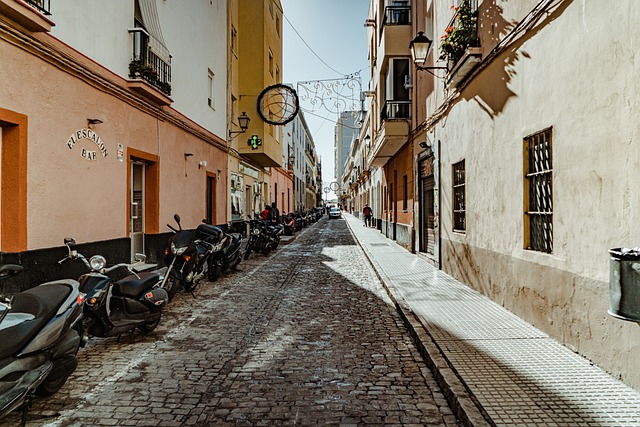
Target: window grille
459,197
538,192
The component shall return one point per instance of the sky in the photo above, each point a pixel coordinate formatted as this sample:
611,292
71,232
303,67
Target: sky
334,30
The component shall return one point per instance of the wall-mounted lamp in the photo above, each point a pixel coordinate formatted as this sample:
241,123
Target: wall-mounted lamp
243,122
370,23
420,47
202,164
369,93
187,155
93,122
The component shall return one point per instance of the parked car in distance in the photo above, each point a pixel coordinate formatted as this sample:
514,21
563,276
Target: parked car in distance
334,213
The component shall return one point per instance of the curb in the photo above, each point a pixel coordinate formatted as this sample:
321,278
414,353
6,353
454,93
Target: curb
461,402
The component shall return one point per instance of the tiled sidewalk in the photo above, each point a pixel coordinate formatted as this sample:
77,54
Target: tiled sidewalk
495,368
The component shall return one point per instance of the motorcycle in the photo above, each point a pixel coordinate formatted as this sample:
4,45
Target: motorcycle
258,238
226,249
41,332
274,231
289,224
115,307
188,260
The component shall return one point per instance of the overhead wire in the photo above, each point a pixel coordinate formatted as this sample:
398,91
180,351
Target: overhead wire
307,44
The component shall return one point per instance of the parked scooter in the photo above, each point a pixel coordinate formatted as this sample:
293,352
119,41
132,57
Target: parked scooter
41,332
289,224
187,258
115,307
226,249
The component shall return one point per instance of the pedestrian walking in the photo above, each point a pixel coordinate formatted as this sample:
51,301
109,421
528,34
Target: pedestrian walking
368,213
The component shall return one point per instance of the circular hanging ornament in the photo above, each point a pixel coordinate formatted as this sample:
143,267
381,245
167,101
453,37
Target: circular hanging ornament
278,104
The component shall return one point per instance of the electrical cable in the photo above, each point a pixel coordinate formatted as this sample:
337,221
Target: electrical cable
312,51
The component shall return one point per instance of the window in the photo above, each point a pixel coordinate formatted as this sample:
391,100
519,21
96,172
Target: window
405,186
459,198
234,40
270,62
538,194
278,24
210,90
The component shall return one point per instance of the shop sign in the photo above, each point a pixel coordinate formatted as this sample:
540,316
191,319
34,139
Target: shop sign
91,136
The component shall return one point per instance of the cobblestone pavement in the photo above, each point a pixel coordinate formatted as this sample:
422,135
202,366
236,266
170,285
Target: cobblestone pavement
304,336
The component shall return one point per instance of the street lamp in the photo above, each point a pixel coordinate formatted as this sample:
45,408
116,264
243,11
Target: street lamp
420,47
243,122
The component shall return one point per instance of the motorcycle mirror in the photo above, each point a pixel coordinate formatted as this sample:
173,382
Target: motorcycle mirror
139,257
69,241
177,218
10,270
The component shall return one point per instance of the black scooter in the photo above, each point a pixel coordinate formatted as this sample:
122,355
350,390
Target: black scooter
226,249
115,307
188,260
41,332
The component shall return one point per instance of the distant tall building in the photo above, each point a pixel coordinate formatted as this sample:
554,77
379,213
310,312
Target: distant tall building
345,131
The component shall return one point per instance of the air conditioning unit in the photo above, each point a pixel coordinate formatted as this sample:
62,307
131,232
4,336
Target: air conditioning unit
407,82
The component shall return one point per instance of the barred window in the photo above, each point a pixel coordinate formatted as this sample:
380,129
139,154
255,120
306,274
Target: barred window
459,202
538,192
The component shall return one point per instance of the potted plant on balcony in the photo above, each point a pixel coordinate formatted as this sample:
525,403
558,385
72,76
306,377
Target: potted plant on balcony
460,35
140,70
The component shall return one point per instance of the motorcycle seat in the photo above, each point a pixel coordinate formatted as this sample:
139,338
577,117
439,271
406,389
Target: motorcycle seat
207,231
131,286
41,302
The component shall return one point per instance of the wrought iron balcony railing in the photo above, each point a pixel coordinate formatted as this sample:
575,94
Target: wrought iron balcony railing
147,65
397,15
43,6
396,110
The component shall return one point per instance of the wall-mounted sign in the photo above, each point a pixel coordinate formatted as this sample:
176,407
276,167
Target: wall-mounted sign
120,152
91,136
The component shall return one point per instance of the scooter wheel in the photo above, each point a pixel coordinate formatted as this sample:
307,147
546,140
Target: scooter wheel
147,328
247,252
172,286
266,249
62,369
215,269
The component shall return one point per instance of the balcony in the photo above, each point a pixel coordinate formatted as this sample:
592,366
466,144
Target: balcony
396,15
395,110
460,45
30,14
395,32
393,133
150,74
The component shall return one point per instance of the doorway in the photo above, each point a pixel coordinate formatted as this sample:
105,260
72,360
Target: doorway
210,198
427,207
137,210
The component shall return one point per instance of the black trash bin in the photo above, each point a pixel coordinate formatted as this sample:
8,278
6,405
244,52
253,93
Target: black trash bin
624,284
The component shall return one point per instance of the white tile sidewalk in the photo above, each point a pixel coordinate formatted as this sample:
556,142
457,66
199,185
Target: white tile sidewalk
514,373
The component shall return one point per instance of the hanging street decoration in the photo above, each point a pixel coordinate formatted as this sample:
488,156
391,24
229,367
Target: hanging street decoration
278,104
334,95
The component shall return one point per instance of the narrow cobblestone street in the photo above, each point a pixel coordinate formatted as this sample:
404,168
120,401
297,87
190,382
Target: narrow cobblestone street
306,335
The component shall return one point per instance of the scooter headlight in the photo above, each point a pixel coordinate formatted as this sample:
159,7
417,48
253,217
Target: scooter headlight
177,251
256,231
97,262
